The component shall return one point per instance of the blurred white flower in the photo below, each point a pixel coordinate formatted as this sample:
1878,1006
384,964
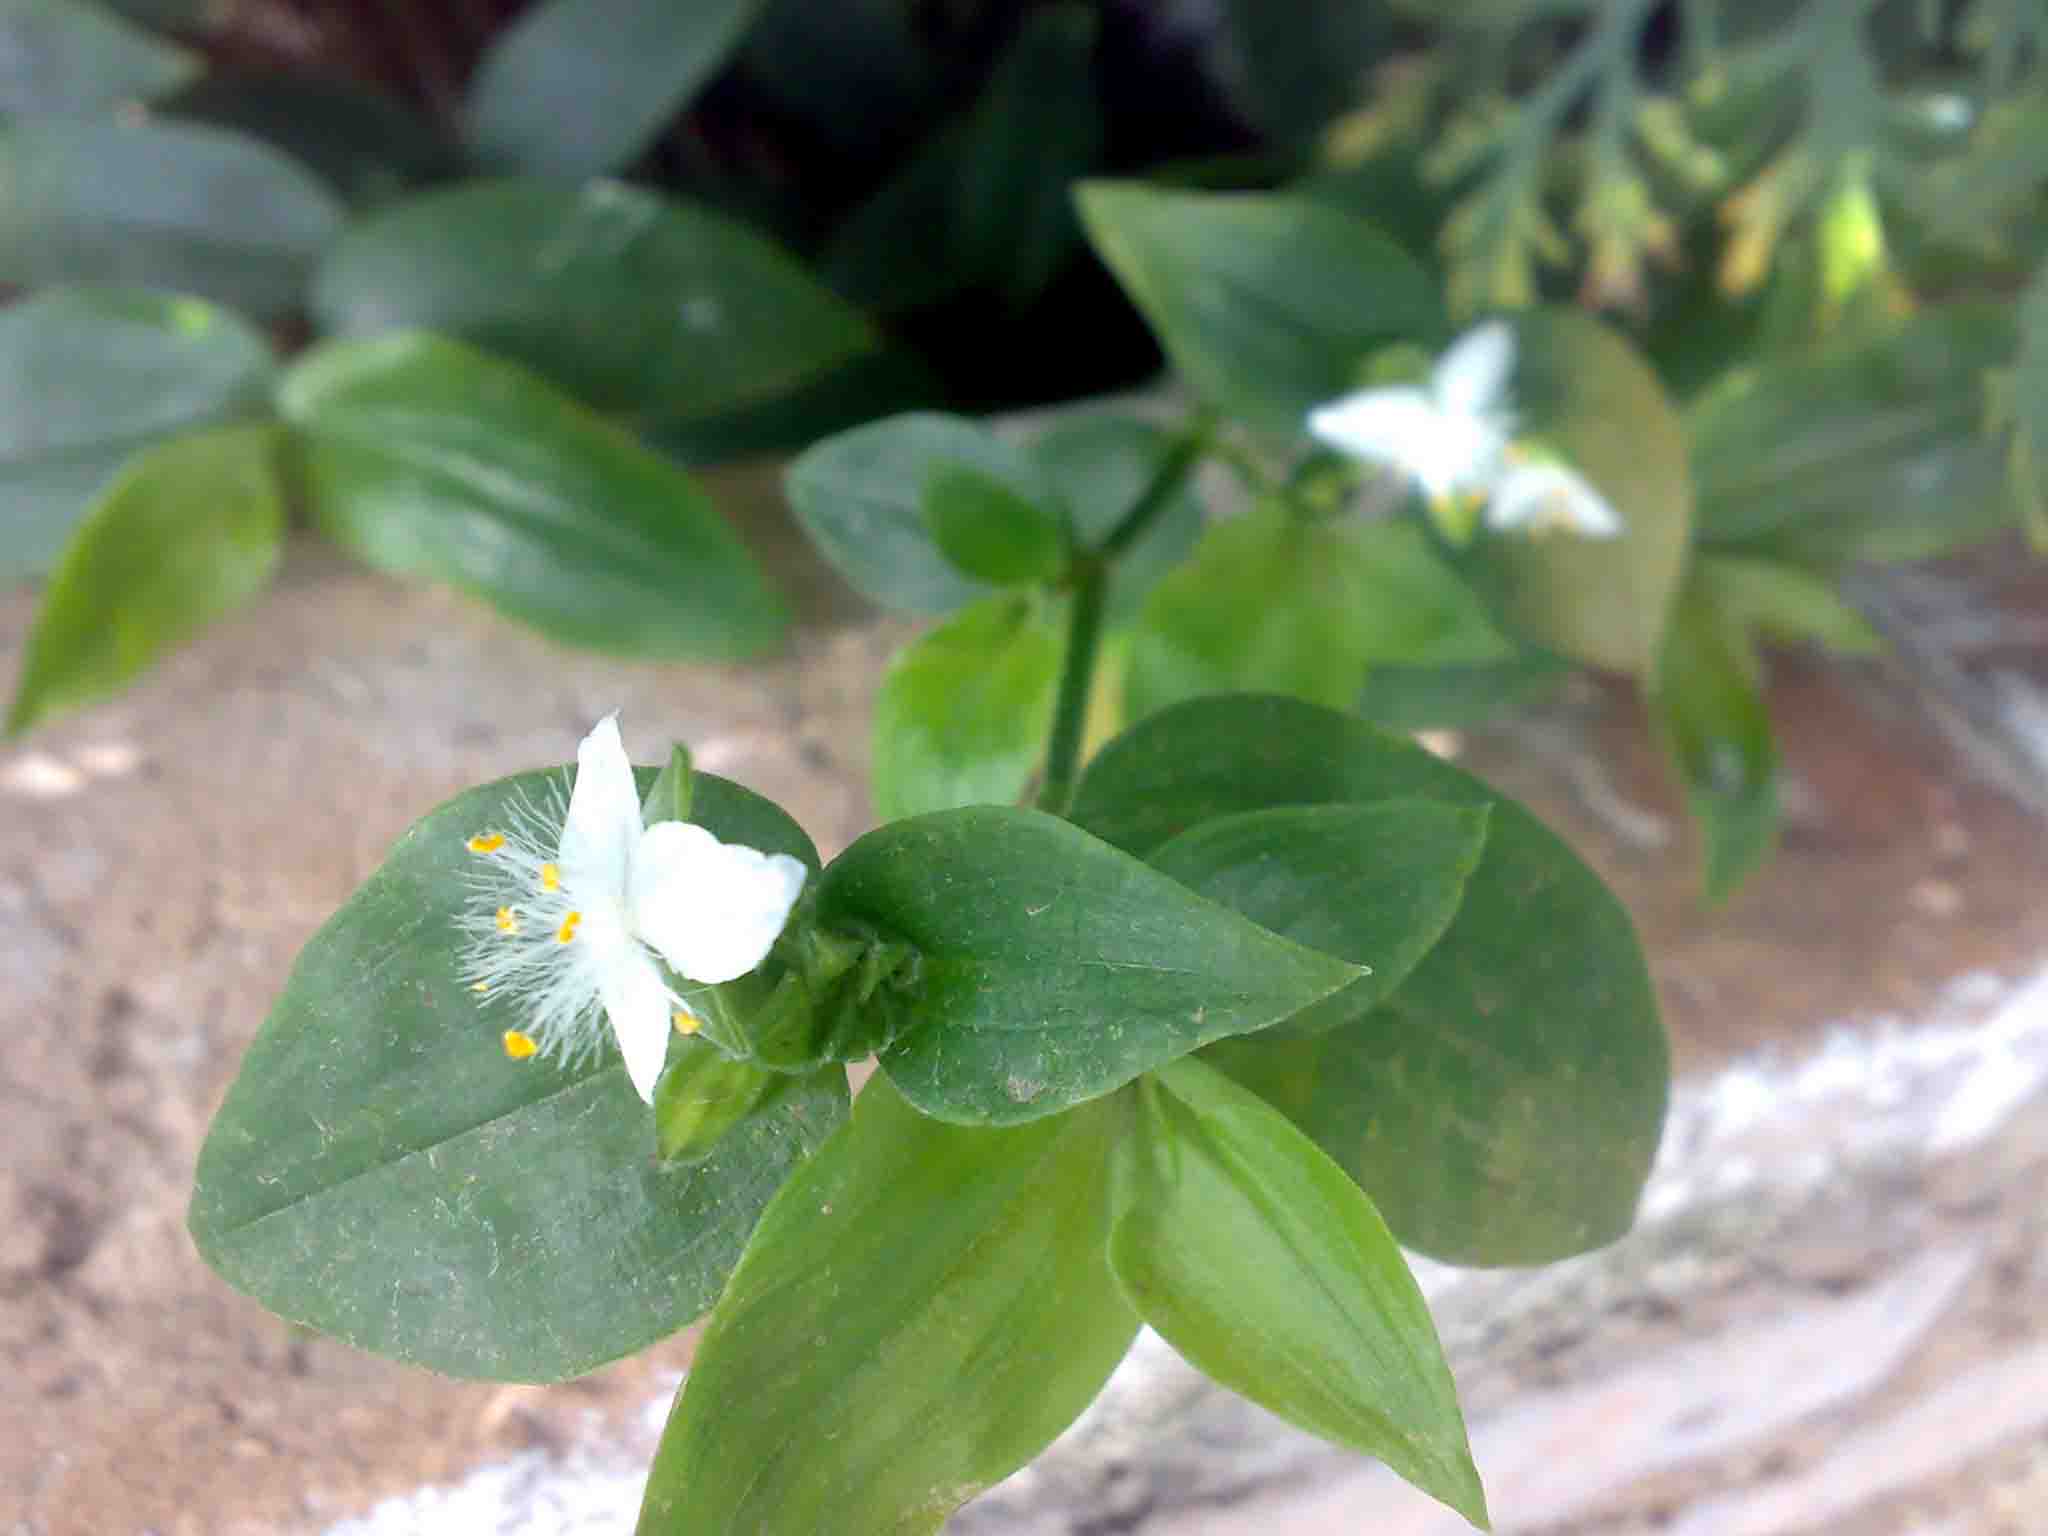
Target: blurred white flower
575,902
1542,496
1449,436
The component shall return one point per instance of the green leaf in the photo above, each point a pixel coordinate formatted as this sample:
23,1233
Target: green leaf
1373,884
1709,706
860,497
381,1172
923,1309
63,56
989,531
962,715
428,459
650,310
1273,602
1585,391
1099,464
675,789
191,530
88,378
988,195
1503,1106
366,145
576,88
704,1094
1053,968
1266,304
1299,63
1782,601
1257,1259
159,205
1867,453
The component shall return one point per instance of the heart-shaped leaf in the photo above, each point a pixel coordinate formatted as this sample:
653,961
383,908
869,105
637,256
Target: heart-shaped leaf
382,1172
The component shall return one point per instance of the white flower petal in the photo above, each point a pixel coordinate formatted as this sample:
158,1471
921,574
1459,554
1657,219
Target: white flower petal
1471,378
1546,495
713,909
603,822
1377,424
637,1002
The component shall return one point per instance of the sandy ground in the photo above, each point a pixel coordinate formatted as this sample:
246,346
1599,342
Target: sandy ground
163,858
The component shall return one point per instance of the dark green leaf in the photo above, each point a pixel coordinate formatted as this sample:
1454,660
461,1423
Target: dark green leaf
923,1309
1709,706
1053,968
704,1094
367,146
1584,390
962,716
1869,453
89,377
1276,603
1099,464
426,458
870,385
860,497
1503,1106
66,56
1781,601
191,530
987,197
647,309
380,1171
160,205
1295,64
989,531
576,88
1260,1261
1373,884
1266,304
2027,464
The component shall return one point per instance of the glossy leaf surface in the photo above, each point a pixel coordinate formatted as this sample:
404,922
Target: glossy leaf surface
653,311
428,459
1260,1261
382,1172
923,1309
1053,968
1502,1107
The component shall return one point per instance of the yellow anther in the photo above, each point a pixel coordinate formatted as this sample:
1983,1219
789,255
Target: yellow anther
519,1045
686,1022
567,931
479,986
508,920
487,842
550,877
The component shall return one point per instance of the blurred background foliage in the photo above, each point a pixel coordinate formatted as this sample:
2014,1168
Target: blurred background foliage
645,235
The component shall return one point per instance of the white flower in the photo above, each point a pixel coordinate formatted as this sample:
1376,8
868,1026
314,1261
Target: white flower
576,902
1448,437
1541,495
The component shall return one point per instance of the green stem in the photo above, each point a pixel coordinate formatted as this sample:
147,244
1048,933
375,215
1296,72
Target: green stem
1089,580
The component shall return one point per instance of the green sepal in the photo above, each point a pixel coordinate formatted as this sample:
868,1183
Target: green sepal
674,789
704,1093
